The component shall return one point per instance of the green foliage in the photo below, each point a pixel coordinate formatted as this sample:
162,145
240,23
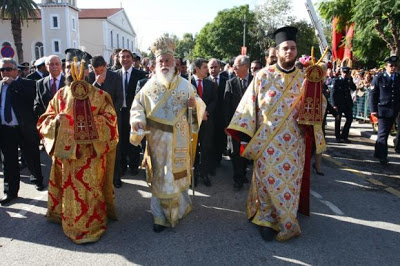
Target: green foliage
377,26
18,9
185,46
223,38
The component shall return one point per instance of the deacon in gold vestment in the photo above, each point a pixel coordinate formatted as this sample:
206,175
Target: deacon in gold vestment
161,108
266,123
79,131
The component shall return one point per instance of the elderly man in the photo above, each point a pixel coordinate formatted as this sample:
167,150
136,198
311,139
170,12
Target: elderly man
17,128
385,104
47,87
161,108
265,123
235,88
79,131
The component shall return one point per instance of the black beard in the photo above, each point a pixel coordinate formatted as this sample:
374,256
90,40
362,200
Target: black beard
287,65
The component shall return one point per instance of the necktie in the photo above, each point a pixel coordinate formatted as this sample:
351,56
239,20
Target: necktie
392,77
200,88
7,106
215,83
54,87
125,89
126,83
243,83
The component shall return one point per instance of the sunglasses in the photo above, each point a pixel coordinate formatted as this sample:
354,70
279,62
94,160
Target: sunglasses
7,69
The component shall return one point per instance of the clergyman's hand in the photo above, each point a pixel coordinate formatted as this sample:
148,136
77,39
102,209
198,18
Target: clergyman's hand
192,102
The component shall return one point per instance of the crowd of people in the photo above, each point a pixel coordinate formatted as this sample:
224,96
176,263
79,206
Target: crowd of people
97,120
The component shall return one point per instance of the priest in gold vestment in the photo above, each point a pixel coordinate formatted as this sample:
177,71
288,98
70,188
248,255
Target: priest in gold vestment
266,124
79,131
161,108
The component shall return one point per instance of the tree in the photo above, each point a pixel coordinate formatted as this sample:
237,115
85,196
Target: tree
377,24
271,15
223,38
184,47
18,11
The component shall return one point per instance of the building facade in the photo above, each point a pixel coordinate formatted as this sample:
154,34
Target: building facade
61,24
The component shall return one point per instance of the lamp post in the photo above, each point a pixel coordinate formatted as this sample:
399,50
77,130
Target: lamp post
244,48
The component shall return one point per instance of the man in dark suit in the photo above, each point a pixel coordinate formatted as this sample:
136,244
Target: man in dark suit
343,103
41,70
130,155
219,133
18,128
385,104
208,93
235,88
106,80
48,86
111,82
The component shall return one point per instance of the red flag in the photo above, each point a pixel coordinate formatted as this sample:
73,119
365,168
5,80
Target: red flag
337,47
348,53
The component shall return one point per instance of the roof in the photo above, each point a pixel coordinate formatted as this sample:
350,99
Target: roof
98,13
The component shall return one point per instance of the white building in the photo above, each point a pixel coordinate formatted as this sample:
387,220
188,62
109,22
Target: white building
61,25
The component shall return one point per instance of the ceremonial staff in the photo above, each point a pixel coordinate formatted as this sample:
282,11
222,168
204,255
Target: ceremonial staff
190,115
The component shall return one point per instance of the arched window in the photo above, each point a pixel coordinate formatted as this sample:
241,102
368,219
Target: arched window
117,40
39,50
123,42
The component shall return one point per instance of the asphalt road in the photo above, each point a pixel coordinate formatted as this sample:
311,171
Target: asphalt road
355,220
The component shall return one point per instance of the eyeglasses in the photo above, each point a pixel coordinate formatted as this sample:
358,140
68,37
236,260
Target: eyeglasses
7,69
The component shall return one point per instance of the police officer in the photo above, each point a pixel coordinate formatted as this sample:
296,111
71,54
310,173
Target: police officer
342,102
385,104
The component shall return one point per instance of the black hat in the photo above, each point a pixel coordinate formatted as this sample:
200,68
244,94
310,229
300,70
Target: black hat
285,34
23,65
72,52
392,59
345,69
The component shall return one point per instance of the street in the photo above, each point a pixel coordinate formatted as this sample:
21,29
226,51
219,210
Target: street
355,220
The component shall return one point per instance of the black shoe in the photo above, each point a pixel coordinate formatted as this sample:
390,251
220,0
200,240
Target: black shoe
6,199
267,233
384,161
237,186
339,140
117,183
207,181
397,151
39,186
316,171
158,228
346,141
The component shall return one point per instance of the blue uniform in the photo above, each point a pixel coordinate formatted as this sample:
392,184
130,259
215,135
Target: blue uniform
385,101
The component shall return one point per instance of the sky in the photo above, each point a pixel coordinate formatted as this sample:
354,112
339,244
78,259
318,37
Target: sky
152,18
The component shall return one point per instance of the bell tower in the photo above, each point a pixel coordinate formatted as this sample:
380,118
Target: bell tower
60,26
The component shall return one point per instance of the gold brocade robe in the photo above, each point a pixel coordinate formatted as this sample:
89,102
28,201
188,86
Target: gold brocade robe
268,114
162,108
81,194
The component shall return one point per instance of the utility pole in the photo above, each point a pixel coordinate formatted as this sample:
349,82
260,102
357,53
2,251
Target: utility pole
244,48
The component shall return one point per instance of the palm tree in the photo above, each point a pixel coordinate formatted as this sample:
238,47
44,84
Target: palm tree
18,11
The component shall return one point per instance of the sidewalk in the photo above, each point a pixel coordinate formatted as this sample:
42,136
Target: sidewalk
359,129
